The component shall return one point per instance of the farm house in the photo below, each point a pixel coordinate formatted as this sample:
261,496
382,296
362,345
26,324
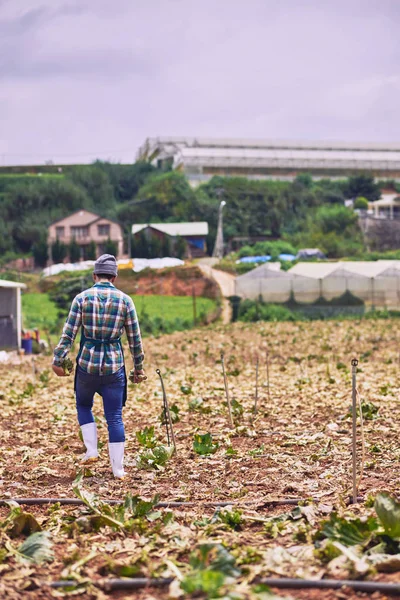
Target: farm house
10,314
374,283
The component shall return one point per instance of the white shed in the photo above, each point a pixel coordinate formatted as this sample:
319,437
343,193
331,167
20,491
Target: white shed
10,314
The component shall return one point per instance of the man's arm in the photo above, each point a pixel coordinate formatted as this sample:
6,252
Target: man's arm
71,327
133,334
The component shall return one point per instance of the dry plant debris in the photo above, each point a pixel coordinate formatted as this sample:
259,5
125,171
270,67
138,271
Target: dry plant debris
298,445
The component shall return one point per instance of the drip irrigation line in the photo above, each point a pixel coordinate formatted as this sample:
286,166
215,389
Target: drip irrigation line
113,585
332,584
283,583
172,504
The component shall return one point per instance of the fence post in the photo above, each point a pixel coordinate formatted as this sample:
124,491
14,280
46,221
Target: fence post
354,364
194,305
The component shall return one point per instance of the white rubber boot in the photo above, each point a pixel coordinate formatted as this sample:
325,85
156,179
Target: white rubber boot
116,451
89,434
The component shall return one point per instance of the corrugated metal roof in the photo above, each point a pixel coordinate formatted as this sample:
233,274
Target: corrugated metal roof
174,229
4,283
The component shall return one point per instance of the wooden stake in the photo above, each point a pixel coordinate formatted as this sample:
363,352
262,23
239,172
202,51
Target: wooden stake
167,412
227,392
267,363
256,391
354,364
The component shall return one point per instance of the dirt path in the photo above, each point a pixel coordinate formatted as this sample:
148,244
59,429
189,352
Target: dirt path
226,283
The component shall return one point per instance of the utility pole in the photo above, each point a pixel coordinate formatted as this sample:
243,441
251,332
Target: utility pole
219,240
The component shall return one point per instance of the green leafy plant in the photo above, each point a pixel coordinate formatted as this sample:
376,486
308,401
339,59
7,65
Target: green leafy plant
67,365
259,451
203,444
146,437
348,531
186,389
231,518
388,511
19,522
44,377
199,405
237,408
369,411
154,458
230,451
211,565
126,516
174,412
37,548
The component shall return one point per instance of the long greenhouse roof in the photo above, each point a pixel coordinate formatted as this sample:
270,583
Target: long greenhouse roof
196,142
196,153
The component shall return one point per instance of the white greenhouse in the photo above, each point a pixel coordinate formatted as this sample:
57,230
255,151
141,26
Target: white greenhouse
375,283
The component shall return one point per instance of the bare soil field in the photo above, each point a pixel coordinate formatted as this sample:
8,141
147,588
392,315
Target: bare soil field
283,474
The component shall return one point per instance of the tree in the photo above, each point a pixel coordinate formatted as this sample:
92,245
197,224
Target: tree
126,179
74,251
58,251
111,247
335,218
96,183
40,252
180,247
363,185
90,251
305,179
334,229
168,196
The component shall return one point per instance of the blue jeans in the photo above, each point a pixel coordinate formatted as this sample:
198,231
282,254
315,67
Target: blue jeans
111,388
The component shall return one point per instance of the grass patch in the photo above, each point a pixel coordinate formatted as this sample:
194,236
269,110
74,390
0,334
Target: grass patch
175,312
38,311
172,307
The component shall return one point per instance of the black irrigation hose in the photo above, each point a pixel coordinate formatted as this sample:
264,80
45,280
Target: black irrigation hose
172,504
332,584
113,585
284,583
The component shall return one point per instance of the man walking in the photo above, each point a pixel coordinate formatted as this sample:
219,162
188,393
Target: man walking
103,312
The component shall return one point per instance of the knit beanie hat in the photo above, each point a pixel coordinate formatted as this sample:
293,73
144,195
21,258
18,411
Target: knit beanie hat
106,264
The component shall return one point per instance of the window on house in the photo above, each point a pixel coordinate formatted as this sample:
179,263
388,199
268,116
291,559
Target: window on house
60,232
79,232
103,229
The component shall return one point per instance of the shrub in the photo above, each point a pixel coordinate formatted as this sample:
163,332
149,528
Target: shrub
252,311
361,203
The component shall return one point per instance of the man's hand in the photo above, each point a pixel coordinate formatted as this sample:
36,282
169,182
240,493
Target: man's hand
137,376
59,371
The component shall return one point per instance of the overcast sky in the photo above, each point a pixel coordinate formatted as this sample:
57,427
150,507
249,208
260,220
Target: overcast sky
81,79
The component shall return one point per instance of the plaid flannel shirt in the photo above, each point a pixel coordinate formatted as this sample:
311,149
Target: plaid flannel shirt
104,312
